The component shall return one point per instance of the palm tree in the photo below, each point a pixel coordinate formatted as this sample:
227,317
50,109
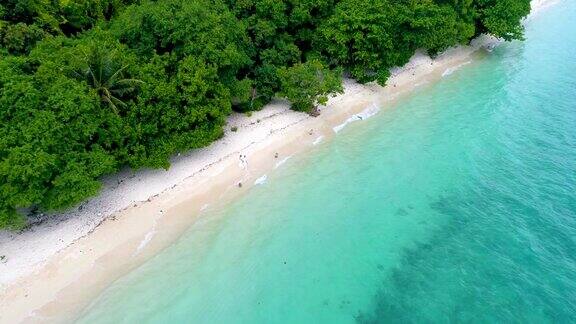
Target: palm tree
104,74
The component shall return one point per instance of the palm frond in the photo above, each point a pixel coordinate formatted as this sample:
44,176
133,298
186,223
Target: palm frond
113,77
104,74
111,104
117,101
130,81
122,91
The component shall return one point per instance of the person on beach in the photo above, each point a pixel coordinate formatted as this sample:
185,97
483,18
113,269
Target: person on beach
243,162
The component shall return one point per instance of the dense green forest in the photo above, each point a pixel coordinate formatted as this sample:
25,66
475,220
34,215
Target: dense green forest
90,86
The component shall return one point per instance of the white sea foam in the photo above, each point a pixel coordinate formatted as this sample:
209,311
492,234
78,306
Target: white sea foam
204,207
344,124
539,5
262,180
34,314
365,114
369,112
318,140
454,69
146,239
284,160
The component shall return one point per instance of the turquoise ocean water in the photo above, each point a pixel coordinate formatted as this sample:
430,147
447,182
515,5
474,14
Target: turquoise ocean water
457,205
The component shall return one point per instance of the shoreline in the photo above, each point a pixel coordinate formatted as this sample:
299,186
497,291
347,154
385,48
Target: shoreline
56,269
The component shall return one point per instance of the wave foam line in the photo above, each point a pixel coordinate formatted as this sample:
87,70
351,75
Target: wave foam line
455,68
365,114
318,140
146,239
284,160
262,180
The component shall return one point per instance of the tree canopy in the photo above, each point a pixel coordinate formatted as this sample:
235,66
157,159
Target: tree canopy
90,86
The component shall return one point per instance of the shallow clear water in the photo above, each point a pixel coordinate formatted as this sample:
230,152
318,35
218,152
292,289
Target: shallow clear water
458,205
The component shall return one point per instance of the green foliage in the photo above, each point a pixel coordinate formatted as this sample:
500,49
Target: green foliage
24,22
20,38
53,130
84,14
204,29
308,84
368,37
175,111
50,149
10,219
362,36
103,73
435,27
282,32
502,18
90,86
